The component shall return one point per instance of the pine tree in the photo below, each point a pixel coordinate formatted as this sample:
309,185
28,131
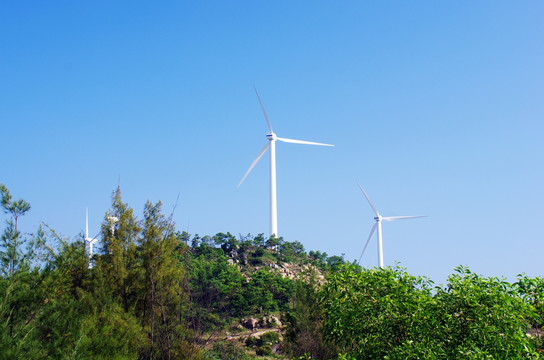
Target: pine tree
11,253
119,264
165,296
21,290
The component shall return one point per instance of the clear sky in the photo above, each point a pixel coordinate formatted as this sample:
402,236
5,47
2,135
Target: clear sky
436,108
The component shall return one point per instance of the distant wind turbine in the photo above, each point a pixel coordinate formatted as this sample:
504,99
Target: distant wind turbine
272,138
112,220
88,239
378,225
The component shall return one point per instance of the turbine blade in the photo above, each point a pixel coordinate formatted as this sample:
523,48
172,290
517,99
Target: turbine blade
393,218
302,142
368,240
254,163
264,111
86,222
368,199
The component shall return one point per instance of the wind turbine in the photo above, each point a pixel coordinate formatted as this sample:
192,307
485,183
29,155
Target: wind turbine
88,239
378,225
112,220
272,138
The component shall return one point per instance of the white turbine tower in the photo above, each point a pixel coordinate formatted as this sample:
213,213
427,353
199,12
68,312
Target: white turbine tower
378,225
272,138
88,239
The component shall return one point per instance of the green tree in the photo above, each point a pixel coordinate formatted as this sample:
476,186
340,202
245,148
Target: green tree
304,320
259,240
389,314
18,312
292,252
119,265
268,291
531,290
79,319
165,297
21,290
216,289
11,252
318,259
66,282
482,316
371,312
227,242
273,242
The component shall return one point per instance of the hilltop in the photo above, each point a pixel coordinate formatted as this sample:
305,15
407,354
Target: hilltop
243,287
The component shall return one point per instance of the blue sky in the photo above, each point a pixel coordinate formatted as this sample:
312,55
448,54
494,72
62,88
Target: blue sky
436,108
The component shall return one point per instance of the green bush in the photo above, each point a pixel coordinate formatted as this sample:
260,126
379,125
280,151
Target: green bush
270,337
389,314
253,341
264,350
228,350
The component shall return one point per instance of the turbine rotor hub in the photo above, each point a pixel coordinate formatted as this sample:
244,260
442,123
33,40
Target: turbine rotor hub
271,136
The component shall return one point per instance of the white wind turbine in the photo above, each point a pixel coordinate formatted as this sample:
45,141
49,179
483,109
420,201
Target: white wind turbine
88,239
272,138
112,220
378,225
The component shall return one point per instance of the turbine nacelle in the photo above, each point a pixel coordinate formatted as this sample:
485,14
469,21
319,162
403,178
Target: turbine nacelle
271,136
91,240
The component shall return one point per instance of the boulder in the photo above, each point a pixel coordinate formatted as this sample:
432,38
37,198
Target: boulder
250,323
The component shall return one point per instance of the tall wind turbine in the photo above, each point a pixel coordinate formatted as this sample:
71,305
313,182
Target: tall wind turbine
88,239
272,138
378,225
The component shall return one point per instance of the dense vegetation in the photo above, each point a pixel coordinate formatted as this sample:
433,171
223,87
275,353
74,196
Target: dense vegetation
389,314
156,293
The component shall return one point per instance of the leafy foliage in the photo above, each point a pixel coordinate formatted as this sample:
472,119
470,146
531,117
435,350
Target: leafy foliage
387,313
369,313
531,290
227,350
482,316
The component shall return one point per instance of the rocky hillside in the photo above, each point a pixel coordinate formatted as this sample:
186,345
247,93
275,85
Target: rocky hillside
242,289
